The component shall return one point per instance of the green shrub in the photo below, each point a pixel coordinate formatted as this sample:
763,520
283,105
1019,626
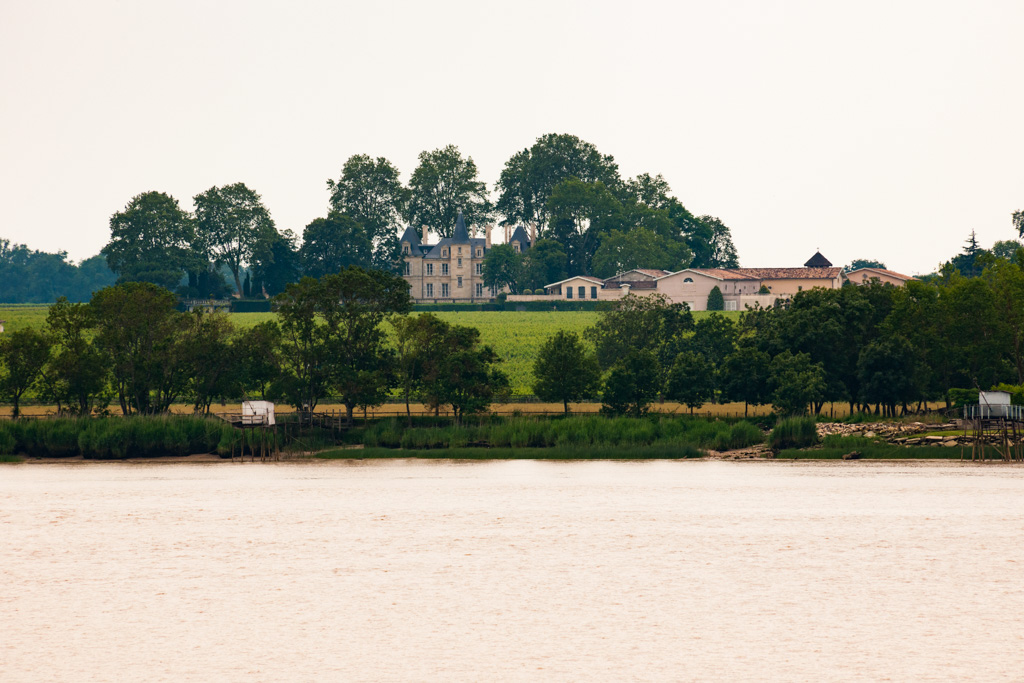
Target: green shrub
794,432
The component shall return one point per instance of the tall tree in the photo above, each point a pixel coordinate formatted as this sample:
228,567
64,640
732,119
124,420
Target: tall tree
370,191
333,336
744,377
796,383
276,263
691,380
444,184
468,378
334,243
648,323
152,240
564,371
23,353
632,385
140,333
231,221
420,344
859,263
720,251
214,371
528,180
1018,222
619,251
543,264
502,268
76,374
579,213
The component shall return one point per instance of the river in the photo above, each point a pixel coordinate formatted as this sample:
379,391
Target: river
521,570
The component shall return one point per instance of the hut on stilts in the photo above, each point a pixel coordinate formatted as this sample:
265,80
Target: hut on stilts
994,425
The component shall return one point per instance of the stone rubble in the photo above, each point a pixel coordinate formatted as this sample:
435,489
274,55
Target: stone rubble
903,433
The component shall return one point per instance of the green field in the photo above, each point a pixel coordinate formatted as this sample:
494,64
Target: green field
515,336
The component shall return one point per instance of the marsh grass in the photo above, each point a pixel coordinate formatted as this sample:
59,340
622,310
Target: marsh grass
794,432
115,438
577,431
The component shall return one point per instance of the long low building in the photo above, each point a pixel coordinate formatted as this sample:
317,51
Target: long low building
740,287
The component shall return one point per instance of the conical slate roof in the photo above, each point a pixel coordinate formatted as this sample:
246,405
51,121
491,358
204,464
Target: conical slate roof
521,236
818,261
460,235
411,236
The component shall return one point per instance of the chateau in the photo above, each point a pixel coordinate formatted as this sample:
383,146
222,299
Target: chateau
452,269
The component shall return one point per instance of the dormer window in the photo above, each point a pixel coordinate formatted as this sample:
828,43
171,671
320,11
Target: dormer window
479,252
515,247
444,253
405,249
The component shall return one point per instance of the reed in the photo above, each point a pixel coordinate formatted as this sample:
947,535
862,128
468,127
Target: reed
794,432
114,438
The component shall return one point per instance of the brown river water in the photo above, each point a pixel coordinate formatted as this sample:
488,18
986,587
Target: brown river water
523,570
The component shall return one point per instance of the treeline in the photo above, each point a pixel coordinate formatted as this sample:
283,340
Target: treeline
588,219
36,277
129,346
875,347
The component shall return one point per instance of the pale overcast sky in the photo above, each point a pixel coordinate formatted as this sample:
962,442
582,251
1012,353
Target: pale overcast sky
867,129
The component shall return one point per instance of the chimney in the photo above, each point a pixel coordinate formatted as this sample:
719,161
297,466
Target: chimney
487,236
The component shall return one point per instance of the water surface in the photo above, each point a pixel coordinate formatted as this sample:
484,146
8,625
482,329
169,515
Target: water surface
394,570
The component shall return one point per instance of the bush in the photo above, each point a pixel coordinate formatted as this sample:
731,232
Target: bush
794,432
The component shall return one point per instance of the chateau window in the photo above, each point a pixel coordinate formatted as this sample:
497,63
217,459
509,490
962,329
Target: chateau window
430,269
593,292
430,289
583,292
479,252
444,269
459,285
444,253
460,262
515,247
405,248
406,269
460,251
479,289
445,289
479,269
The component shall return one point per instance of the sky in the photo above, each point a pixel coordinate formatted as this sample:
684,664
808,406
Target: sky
883,130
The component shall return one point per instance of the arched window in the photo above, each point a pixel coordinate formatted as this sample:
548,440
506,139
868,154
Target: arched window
687,279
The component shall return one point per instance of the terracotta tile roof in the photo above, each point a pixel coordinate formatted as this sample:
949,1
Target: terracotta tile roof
653,272
787,273
891,273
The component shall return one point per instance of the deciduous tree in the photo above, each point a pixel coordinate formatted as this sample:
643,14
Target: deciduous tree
442,185
564,371
502,267
371,192
152,240
23,353
231,222
332,244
